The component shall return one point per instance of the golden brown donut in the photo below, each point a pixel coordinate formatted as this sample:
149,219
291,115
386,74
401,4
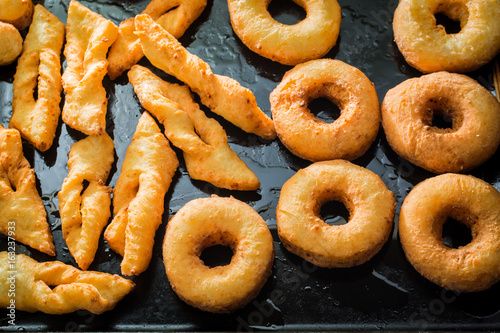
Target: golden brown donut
16,12
202,223
349,136
308,39
12,43
302,230
427,47
470,200
408,111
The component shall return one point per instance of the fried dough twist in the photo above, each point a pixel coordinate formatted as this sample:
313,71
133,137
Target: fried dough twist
138,197
175,16
73,289
89,35
222,94
85,210
203,140
39,67
21,207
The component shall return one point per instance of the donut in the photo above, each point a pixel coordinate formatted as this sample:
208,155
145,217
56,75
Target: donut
426,46
472,201
302,230
12,42
310,138
206,222
308,39
407,118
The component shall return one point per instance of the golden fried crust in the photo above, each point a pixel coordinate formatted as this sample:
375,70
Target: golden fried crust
20,204
202,223
221,94
475,203
203,140
85,211
427,47
175,16
56,288
12,43
89,35
302,230
408,110
308,137
39,67
16,12
138,197
308,39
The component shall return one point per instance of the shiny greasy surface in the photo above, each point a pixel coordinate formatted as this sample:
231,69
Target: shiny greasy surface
385,292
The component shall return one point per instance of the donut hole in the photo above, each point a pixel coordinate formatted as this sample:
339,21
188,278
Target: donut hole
324,109
455,233
217,249
451,16
334,212
217,255
286,12
450,26
441,116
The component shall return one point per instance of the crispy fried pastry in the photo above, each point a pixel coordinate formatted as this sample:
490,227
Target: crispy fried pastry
89,35
39,66
203,140
84,199
21,209
16,12
175,16
223,95
138,197
12,43
56,288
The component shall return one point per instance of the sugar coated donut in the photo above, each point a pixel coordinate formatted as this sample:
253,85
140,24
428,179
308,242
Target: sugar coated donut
308,39
202,223
426,45
407,118
467,199
302,230
308,137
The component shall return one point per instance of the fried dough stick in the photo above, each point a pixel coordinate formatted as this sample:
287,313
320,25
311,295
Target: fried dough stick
21,209
89,35
175,16
138,197
39,65
203,140
223,95
85,210
72,290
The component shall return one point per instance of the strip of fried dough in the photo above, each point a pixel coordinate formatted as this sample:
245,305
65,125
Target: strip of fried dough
89,36
40,65
16,12
138,197
72,289
12,43
22,213
223,95
85,210
203,140
175,16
